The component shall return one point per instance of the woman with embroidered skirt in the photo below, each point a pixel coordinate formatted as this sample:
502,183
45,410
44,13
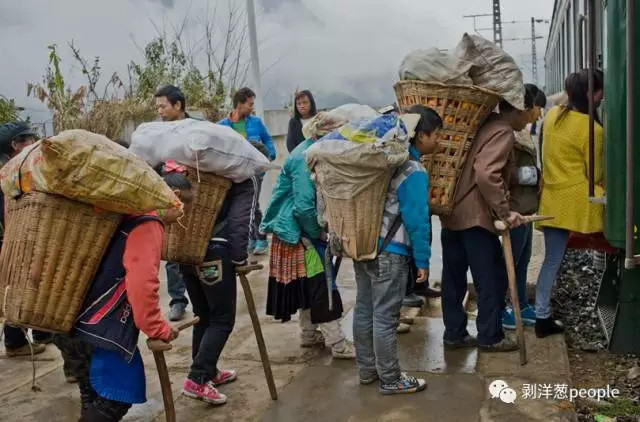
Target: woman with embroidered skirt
298,271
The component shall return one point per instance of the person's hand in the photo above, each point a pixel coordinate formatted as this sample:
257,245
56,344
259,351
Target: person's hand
170,215
514,219
423,275
174,333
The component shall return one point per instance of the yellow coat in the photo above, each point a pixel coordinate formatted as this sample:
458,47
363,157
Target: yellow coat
565,159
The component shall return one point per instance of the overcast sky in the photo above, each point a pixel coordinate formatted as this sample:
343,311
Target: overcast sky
353,47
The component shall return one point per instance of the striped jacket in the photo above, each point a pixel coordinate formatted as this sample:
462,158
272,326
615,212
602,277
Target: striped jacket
408,197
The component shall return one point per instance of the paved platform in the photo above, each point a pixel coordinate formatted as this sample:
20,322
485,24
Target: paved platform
312,385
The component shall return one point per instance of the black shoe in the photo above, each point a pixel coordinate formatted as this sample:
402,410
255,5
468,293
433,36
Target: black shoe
43,338
427,291
413,301
505,345
467,342
547,327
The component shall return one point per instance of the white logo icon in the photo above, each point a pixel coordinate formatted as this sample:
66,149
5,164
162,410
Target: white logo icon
500,389
508,395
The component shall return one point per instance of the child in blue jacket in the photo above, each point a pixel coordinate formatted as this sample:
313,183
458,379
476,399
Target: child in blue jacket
381,282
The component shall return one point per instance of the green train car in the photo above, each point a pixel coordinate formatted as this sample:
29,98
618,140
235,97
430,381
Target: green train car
604,34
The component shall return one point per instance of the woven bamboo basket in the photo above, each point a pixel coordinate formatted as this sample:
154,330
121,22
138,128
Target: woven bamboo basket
463,108
357,221
186,241
52,249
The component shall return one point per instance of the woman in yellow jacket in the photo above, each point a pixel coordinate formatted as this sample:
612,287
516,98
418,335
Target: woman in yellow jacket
565,160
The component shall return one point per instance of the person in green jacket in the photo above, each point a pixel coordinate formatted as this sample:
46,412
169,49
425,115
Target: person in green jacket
297,280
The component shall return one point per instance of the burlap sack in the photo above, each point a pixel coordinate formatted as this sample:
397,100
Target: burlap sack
89,168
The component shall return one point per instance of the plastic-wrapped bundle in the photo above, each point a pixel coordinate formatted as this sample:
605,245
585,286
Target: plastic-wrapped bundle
89,168
206,146
352,167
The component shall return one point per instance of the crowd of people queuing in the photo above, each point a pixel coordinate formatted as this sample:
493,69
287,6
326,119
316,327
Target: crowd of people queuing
501,180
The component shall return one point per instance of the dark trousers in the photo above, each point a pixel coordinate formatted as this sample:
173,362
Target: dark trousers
77,360
480,250
14,337
213,295
521,246
412,286
256,218
175,284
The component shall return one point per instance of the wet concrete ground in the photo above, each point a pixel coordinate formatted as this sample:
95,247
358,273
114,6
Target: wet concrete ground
312,385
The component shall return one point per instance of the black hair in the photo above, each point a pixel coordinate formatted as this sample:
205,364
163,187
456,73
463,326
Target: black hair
174,179
539,99
173,94
576,86
530,94
177,180
242,95
7,148
429,122
306,93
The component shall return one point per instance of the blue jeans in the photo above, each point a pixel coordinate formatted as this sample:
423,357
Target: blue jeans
256,218
175,284
480,250
381,285
555,245
521,242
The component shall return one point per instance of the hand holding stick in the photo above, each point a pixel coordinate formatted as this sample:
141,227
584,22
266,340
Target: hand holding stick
158,347
503,228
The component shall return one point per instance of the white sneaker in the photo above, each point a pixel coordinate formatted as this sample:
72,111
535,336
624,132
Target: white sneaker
344,350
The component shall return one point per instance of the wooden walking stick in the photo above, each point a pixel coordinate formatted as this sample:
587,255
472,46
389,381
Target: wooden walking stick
158,347
503,228
251,306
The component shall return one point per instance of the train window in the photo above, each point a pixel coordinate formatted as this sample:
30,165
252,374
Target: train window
563,63
570,30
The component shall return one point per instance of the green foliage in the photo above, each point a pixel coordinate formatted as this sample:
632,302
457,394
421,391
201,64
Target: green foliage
619,407
163,64
8,110
66,104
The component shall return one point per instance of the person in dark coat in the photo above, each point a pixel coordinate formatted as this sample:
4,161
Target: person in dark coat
524,196
304,111
14,137
212,289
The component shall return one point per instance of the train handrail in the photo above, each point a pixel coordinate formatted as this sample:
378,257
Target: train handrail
591,21
581,19
631,260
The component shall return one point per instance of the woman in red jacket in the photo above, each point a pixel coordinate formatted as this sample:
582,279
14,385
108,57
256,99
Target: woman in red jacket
101,352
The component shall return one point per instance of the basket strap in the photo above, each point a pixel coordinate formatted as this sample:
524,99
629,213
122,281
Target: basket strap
397,222
20,172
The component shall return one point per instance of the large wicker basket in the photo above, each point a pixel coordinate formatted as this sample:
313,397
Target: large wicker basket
357,221
463,108
186,241
52,249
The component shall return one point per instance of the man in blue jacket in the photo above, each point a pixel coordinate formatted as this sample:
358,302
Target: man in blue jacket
253,129
382,282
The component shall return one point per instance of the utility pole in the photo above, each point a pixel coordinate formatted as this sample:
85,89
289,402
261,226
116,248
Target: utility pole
534,56
475,22
497,23
533,38
255,61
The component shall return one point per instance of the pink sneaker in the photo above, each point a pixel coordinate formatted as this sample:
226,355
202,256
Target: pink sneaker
206,392
224,377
